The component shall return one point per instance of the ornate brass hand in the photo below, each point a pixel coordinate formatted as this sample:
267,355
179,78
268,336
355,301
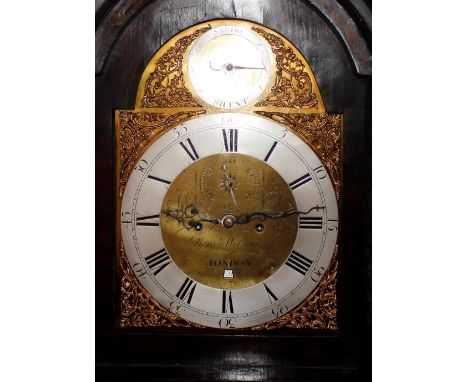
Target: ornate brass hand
263,215
190,216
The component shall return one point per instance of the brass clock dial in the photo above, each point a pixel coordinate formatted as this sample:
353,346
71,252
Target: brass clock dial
229,66
226,204
238,229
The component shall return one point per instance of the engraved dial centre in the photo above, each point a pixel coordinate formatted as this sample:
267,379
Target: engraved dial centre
231,196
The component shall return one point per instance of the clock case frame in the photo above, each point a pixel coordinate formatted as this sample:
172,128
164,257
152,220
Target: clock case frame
128,32
165,99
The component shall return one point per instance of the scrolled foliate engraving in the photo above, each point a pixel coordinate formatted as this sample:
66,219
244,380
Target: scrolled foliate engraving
165,86
293,86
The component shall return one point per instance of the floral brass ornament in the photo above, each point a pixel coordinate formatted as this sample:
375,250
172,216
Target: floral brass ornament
165,86
137,130
138,308
322,132
293,86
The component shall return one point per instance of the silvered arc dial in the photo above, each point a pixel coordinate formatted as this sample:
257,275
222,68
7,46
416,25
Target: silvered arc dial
238,229
229,66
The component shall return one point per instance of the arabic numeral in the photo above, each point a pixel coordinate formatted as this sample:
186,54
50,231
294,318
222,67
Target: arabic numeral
179,131
126,218
139,269
142,165
225,120
176,308
320,172
279,310
250,172
282,135
316,275
227,323
332,225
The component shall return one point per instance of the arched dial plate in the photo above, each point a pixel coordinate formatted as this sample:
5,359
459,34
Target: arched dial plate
229,220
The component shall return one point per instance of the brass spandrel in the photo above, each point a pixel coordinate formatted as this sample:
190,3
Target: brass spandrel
294,85
137,130
165,86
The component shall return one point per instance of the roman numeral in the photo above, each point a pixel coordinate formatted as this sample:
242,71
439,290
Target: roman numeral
299,182
230,140
158,261
228,307
299,263
190,150
146,221
269,152
271,295
185,292
159,179
310,222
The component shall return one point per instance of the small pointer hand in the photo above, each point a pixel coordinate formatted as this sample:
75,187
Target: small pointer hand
229,67
228,183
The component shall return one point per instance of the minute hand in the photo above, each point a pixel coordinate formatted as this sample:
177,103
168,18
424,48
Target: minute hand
263,215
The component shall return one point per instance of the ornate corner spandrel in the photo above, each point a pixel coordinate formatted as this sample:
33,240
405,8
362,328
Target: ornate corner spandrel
293,86
323,134
138,308
165,85
318,311
137,129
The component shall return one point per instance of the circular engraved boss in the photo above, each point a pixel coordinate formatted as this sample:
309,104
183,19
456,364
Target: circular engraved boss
208,226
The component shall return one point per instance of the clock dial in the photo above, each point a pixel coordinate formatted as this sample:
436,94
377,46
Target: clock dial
238,229
229,66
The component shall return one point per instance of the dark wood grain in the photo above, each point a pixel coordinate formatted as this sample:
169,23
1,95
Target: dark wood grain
353,31
128,35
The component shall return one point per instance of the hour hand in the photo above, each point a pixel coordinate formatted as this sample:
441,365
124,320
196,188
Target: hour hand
190,217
